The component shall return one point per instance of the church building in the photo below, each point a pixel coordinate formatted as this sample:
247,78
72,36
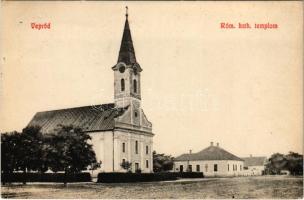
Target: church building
120,131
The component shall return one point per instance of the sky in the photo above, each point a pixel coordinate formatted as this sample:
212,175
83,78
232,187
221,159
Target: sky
200,83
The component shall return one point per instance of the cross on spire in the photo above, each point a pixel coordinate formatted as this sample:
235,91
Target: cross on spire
127,12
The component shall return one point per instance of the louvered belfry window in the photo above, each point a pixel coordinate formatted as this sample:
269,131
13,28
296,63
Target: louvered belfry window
135,86
122,84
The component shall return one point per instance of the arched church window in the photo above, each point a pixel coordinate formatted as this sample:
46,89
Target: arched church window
122,84
123,147
135,86
136,147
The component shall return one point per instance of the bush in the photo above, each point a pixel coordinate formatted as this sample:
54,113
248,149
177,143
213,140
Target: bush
41,177
189,174
120,177
134,177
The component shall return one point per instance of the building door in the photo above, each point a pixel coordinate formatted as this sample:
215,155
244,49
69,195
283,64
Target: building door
136,166
181,168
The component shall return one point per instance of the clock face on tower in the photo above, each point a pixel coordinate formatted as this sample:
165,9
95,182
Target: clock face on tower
122,69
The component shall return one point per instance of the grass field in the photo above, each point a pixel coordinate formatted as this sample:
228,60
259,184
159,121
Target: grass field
238,187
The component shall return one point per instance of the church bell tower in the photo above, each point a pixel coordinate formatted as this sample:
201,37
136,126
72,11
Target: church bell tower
127,85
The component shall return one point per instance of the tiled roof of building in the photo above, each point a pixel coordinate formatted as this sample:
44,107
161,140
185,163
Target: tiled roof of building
210,153
88,118
254,161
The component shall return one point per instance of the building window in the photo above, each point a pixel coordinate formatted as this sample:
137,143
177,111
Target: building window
240,167
135,86
123,160
198,168
147,149
136,147
215,167
135,114
189,168
147,163
181,168
228,167
123,147
122,84
206,168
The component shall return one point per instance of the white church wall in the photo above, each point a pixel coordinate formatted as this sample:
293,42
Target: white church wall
130,138
103,147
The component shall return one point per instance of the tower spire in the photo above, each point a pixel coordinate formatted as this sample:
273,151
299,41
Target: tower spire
127,86
126,52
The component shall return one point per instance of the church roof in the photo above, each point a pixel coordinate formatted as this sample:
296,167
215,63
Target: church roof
210,153
254,161
88,118
126,52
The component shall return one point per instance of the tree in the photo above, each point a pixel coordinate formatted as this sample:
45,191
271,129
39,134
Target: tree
95,166
138,170
162,162
33,151
70,150
292,162
22,151
126,165
9,152
276,163
67,149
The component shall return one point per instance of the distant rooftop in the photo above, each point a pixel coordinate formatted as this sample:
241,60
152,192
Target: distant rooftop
254,161
210,153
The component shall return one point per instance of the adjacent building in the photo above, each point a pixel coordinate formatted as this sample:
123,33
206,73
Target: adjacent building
213,161
120,130
254,166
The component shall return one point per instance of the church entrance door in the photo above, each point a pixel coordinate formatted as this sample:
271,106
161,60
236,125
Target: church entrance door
136,166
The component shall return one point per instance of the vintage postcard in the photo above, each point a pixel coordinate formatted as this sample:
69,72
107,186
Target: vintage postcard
151,99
